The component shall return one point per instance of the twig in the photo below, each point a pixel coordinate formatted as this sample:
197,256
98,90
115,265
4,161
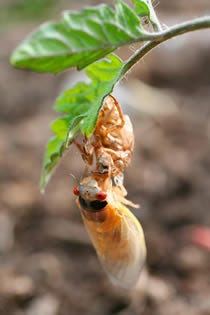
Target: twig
160,37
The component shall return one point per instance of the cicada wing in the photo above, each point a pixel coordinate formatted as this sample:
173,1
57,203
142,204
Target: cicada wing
119,242
130,251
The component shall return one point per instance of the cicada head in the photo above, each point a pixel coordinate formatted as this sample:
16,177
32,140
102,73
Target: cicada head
93,187
88,188
91,196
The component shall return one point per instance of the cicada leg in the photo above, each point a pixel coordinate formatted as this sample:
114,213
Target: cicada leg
86,149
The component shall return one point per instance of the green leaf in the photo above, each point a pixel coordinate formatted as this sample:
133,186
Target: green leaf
80,105
60,126
54,151
145,8
65,128
141,7
79,39
86,98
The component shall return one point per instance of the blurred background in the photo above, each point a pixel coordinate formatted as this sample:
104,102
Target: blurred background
47,263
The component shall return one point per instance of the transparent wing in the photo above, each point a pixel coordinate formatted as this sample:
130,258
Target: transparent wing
119,242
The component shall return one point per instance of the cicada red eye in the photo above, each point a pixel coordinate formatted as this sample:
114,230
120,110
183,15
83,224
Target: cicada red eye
101,195
76,191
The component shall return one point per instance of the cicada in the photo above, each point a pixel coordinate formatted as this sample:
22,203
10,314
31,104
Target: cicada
115,232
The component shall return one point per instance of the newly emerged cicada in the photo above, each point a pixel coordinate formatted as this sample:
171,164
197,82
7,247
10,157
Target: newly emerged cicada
114,231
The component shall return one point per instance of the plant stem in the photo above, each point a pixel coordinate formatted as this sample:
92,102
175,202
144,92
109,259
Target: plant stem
160,37
153,17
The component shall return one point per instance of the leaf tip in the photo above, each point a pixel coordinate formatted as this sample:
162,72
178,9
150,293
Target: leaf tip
42,184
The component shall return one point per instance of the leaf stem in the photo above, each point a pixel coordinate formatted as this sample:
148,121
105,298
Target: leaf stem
153,17
160,37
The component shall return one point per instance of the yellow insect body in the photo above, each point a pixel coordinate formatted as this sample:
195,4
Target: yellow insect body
119,242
